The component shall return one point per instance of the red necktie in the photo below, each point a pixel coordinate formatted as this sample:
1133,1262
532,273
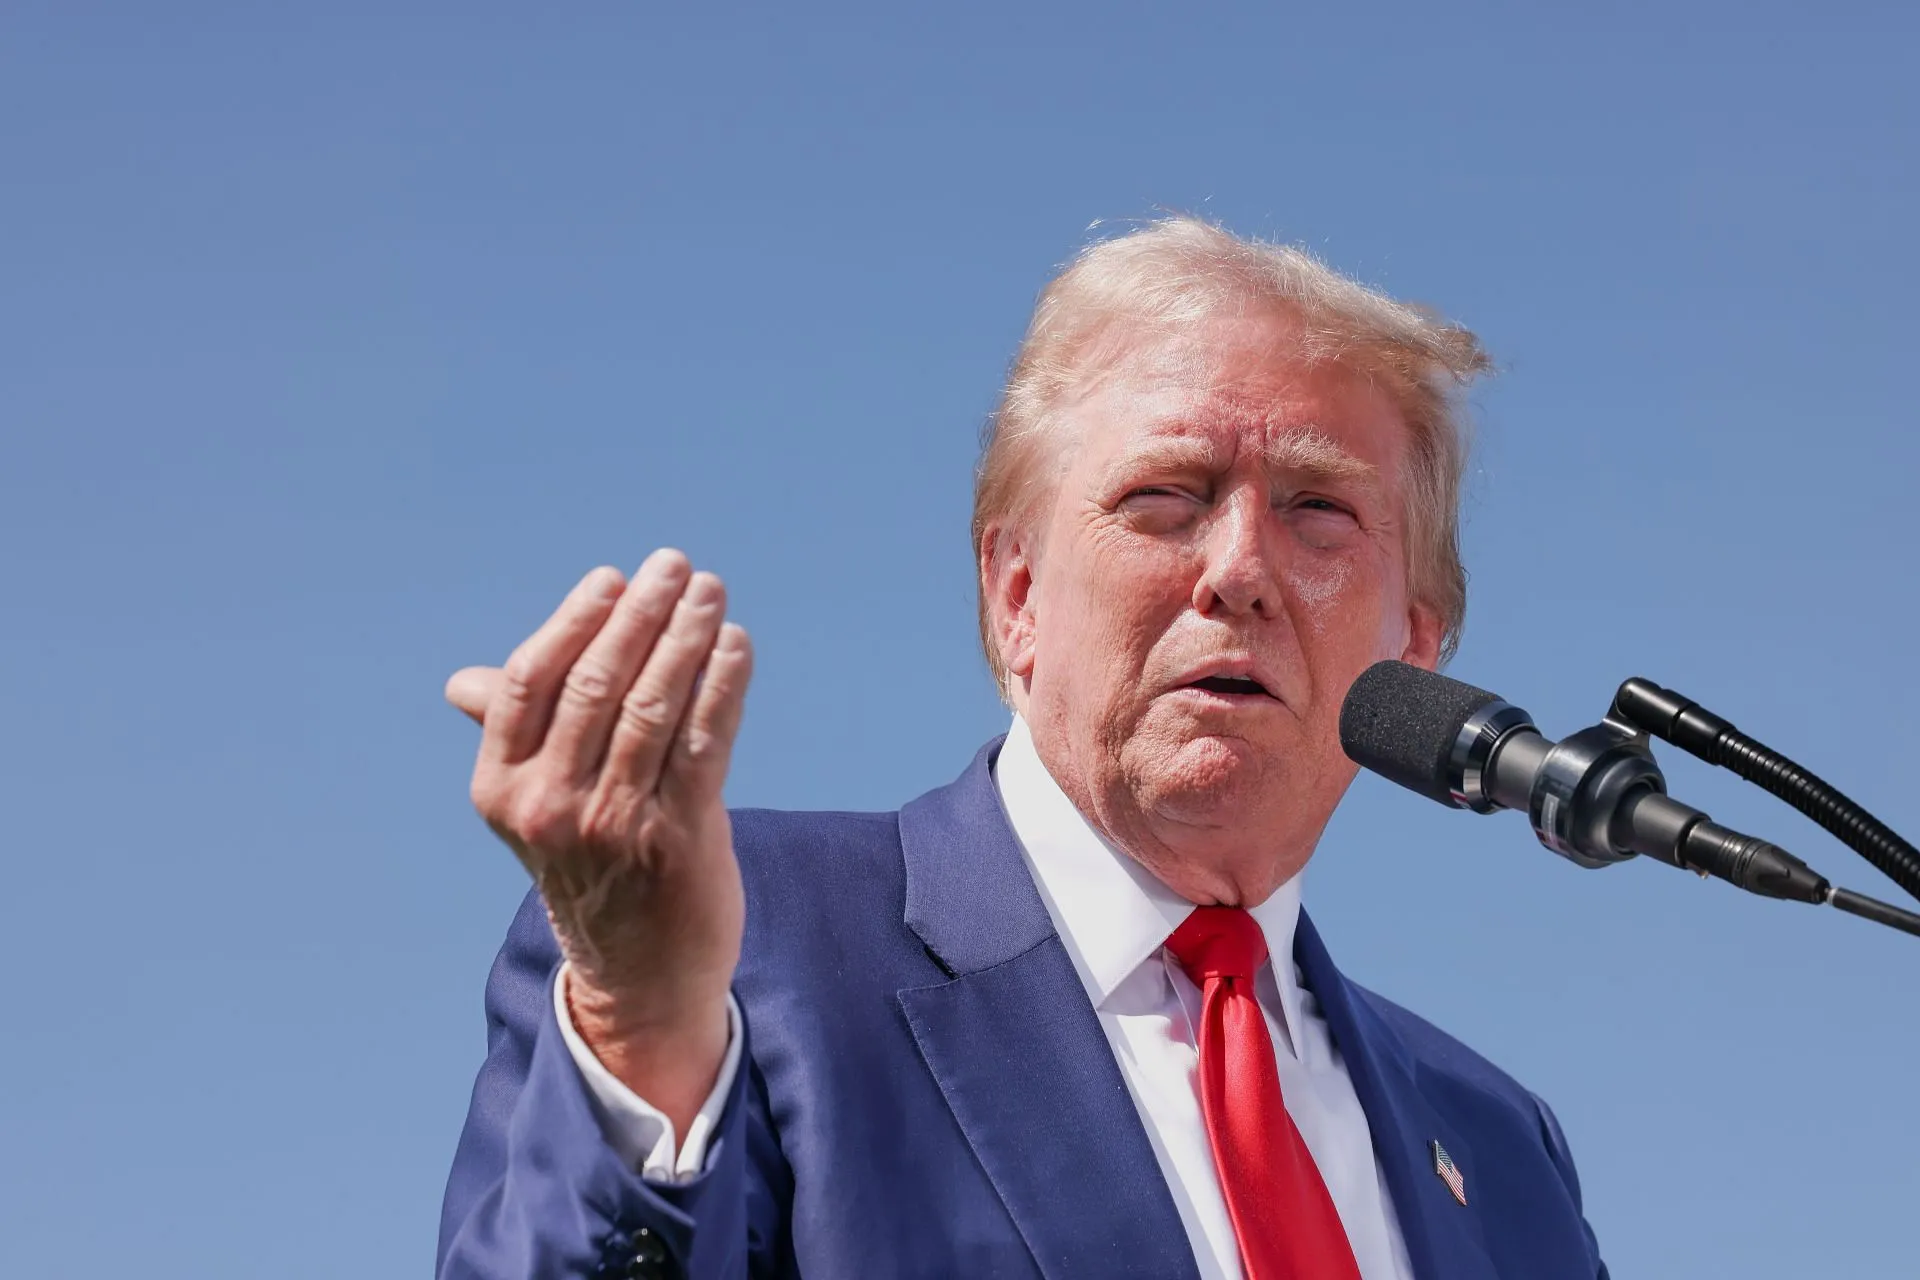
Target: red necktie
1282,1215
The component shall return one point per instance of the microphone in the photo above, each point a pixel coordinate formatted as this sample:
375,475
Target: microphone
1595,798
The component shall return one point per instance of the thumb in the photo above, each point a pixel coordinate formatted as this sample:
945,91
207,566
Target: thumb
470,689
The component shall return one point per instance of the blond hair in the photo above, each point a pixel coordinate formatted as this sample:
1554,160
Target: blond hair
1174,272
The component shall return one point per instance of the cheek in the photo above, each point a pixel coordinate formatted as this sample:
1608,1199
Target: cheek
1100,630
1353,604
1322,589
1116,625
1134,581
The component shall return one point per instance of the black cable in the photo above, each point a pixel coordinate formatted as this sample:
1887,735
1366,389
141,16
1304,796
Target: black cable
1873,909
1673,717
1898,860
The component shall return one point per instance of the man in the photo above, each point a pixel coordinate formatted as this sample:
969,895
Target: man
1063,1017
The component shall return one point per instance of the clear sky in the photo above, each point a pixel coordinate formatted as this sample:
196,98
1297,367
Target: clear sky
338,340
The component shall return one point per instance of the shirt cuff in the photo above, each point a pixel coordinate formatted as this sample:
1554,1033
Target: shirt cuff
638,1132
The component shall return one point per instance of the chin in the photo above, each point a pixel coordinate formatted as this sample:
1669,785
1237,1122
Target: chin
1212,781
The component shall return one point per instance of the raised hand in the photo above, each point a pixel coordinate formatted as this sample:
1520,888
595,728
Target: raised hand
607,739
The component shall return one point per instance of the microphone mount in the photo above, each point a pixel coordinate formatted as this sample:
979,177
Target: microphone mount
1644,707
1598,797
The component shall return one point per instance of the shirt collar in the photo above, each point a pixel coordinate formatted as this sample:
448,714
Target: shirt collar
1112,914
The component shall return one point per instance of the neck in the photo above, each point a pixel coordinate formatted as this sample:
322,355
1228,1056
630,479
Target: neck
1208,866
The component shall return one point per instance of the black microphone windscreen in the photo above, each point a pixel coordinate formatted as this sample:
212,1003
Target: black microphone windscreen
1401,722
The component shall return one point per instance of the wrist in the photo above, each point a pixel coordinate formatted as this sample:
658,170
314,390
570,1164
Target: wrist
668,1054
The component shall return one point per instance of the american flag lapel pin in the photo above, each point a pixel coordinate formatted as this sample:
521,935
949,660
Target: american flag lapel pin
1449,1171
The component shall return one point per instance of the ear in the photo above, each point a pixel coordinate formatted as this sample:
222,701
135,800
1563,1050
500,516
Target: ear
1006,583
1424,632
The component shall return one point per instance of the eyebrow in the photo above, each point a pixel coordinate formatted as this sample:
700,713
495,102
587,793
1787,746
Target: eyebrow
1313,452
1307,450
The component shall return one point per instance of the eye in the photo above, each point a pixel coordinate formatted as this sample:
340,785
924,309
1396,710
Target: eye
1322,522
1313,502
1156,494
1158,507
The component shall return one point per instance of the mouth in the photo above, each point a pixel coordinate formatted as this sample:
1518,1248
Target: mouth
1235,687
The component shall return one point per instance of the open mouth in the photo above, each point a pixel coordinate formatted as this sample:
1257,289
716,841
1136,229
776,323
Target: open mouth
1243,686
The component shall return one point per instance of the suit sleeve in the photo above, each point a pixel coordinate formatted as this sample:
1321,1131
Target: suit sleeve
536,1190
1562,1157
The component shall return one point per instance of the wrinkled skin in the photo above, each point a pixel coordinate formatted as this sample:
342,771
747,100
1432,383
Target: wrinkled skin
606,743
1222,509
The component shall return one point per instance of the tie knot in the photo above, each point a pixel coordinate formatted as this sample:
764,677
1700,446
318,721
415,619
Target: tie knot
1218,942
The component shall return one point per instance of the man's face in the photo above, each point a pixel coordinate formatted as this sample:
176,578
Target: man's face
1223,556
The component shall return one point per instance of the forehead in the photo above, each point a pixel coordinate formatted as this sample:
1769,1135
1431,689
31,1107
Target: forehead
1231,384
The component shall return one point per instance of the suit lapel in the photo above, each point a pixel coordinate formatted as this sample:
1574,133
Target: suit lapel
1019,1054
1445,1239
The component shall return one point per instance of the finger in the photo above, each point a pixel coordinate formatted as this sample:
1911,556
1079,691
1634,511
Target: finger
589,700
651,712
517,714
470,689
703,749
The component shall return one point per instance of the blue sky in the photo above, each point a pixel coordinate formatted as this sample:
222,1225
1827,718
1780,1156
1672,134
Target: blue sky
339,340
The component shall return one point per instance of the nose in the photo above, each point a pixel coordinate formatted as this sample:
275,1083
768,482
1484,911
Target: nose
1240,573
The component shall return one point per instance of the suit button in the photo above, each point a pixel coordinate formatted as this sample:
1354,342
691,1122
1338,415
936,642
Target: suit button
650,1258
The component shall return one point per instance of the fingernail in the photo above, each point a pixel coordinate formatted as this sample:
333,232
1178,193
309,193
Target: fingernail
704,589
604,582
669,560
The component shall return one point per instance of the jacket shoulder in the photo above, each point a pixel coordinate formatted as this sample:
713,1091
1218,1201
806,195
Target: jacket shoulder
1469,1079
818,880
1437,1050
754,830
814,851
1440,1053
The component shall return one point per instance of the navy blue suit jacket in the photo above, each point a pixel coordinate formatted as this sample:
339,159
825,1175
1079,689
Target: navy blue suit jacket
927,1092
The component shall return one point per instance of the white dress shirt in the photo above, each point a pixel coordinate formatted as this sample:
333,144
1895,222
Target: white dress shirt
638,1132
1114,919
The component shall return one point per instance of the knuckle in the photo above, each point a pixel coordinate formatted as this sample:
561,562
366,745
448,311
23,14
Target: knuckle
518,676
588,682
653,831
543,816
701,744
651,596
603,820
646,713
485,792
